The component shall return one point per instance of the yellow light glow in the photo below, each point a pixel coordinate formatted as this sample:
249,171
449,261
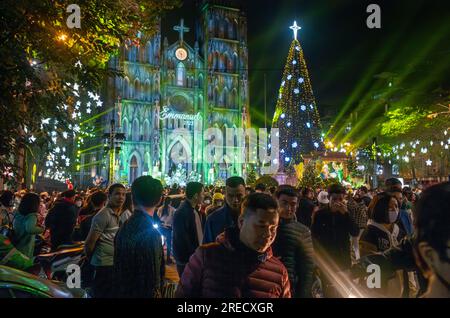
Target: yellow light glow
62,37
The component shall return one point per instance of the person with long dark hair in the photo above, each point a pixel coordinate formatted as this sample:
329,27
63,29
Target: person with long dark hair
25,224
165,214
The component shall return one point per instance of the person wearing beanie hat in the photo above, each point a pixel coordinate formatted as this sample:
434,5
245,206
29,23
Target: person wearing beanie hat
217,203
323,197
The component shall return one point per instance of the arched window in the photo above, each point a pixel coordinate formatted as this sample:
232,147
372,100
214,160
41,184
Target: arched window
216,26
200,81
235,62
132,53
152,88
135,131
146,131
225,59
216,97
235,29
223,62
222,28
137,89
146,91
125,127
181,71
224,98
231,30
210,93
141,51
211,25
156,54
234,99
216,61
126,88
200,102
129,52
149,52
133,169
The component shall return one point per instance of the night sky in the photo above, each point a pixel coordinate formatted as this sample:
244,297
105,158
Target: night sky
339,48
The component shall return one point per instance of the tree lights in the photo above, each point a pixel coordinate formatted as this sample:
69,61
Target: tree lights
292,113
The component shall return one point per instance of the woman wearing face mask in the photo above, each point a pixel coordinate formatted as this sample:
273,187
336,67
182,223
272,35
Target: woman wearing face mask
380,235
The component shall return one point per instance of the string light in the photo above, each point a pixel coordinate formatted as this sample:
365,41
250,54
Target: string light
289,95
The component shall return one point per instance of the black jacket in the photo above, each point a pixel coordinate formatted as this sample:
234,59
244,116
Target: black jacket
184,232
376,238
138,258
61,220
396,258
294,246
331,233
304,211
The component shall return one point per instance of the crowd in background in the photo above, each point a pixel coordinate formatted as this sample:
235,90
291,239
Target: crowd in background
236,240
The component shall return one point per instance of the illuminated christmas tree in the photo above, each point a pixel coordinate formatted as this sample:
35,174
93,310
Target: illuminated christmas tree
296,113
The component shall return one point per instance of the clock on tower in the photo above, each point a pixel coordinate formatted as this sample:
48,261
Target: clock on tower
181,54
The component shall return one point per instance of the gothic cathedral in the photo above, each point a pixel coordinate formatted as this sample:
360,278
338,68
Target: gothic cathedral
172,92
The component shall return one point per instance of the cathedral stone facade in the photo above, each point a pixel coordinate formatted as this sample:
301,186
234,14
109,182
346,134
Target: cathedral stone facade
170,93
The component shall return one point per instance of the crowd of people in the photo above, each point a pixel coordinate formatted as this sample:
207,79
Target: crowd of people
238,241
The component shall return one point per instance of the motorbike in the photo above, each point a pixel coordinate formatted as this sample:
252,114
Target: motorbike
53,265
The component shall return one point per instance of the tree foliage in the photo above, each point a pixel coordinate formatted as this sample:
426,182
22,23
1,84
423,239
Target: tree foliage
39,52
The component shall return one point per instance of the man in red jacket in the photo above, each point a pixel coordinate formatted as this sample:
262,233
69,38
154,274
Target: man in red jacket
240,263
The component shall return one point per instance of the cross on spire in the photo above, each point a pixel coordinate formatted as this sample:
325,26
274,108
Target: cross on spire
295,28
181,29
